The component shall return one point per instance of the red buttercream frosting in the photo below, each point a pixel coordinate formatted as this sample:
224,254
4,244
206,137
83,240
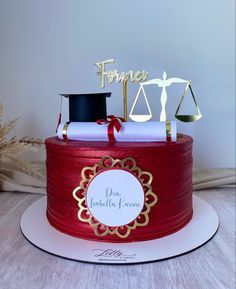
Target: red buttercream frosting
169,163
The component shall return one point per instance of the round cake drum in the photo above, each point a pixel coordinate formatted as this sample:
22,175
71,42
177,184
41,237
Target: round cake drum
197,232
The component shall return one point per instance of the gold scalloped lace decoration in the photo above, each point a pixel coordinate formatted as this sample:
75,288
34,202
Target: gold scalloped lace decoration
106,163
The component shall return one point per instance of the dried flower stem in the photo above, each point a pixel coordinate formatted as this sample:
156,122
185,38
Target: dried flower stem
10,148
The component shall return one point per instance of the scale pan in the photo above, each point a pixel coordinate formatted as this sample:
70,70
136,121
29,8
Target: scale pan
140,117
188,118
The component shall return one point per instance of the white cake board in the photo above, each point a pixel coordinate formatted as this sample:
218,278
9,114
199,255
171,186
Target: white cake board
197,232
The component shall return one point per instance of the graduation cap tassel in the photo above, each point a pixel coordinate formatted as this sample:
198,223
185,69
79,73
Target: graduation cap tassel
59,116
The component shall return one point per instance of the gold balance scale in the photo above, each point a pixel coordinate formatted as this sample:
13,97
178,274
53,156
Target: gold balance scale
137,77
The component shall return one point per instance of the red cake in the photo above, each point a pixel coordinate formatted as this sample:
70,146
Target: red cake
169,164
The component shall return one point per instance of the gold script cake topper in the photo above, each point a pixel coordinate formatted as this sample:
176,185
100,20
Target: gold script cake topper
124,77
106,163
114,75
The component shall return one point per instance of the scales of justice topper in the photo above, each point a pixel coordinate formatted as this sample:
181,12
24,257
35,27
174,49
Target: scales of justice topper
140,77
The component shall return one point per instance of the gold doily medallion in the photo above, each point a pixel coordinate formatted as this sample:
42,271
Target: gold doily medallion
105,164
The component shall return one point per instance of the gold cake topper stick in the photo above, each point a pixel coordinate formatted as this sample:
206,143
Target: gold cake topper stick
125,99
124,77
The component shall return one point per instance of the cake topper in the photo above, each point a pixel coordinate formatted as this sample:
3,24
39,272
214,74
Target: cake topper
86,107
164,83
140,77
124,77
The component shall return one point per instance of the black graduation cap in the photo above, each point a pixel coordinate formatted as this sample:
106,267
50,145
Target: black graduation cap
87,107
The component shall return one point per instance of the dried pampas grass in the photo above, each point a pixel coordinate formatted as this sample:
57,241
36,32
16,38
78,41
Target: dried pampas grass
12,147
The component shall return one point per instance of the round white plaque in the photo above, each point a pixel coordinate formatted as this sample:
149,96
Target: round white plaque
115,197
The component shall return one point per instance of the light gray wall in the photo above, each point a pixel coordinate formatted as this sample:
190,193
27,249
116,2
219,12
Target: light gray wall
48,47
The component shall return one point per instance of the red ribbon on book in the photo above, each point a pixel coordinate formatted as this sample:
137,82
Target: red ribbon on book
113,122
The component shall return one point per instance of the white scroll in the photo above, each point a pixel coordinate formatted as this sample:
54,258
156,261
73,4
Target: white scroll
152,131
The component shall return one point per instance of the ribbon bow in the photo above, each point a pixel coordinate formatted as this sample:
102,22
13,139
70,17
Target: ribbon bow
113,122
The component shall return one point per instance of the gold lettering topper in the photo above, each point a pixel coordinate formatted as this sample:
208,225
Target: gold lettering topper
114,75
140,77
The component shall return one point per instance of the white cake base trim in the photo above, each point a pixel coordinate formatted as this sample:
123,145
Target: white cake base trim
198,231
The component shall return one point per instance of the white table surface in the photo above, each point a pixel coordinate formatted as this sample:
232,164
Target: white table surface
23,266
